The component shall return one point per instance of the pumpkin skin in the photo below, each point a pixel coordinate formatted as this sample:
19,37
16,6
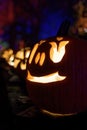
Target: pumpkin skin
67,96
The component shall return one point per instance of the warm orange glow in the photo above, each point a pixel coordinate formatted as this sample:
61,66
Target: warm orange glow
46,79
37,58
23,66
20,56
59,38
42,41
7,53
20,53
27,53
11,60
14,60
33,52
57,53
56,114
40,58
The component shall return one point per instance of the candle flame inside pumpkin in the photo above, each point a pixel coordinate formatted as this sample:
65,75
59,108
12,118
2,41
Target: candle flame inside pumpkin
56,54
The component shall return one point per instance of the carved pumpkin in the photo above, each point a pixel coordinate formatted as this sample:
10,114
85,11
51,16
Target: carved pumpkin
18,61
57,75
7,53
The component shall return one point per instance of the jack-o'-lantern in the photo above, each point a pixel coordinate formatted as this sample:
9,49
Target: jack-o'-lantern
7,53
4,58
57,76
18,61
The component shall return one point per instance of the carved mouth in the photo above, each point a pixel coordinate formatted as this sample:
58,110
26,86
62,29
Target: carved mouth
54,77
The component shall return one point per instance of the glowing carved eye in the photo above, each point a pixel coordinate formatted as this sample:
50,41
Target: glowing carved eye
33,52
40,58
57,53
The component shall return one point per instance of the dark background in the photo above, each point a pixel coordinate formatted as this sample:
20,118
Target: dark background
32,20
